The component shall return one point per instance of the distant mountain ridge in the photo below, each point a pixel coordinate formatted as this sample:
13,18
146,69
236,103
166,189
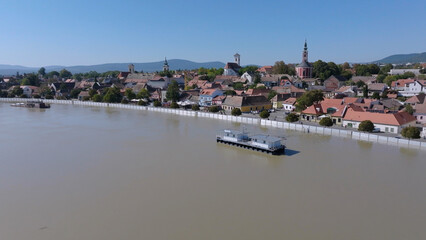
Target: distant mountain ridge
175,64
404,58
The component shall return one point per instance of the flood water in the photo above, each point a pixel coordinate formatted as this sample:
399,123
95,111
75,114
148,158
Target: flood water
74,173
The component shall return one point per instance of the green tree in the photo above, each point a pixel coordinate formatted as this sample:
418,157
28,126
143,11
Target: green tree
17,91
272,94
97,98
157,103
92,92
410,132
327,122
174,105
42,71
280,68
143,94
366,126
385,69
230,93
384,94
195,107
264,114
65,73
409,109
74,93
309,98
130,94
323,70
124,101
375,95
236,112
346,66
238,86
31,79
214,109
292,117
53,74
365,91
142,103
172,93
112,95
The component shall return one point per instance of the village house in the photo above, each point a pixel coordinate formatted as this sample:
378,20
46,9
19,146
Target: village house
294,91
373,88
257,91
366,79
265,70
62,89
207,95
386,122
418,99
218,100
30,91
333,108
414,88
420,113
83,95
289,105
402,71
348,91
270,80
246,103
278,100
401,84
334,82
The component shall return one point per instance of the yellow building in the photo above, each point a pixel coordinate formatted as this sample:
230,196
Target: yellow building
247,103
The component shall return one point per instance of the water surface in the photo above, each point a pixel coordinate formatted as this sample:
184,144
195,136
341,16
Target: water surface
105,174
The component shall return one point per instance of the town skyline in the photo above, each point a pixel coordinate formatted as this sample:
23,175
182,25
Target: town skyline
87,33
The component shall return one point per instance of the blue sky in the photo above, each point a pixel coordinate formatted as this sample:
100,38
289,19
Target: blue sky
83,32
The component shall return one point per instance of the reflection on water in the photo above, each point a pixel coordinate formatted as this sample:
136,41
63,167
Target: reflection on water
102,174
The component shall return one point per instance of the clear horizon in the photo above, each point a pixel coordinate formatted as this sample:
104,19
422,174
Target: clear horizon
45,33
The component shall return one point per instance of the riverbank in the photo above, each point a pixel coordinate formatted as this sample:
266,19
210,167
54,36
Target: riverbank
369,137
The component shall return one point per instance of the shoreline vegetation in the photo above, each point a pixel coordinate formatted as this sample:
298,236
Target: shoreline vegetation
369,137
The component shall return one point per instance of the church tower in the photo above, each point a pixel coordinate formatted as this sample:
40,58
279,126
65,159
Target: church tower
166,65
304,69
237,59
131,68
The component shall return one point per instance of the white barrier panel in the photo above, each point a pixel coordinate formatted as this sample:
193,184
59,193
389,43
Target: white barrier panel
414,144
392,140
299,127
335,132
363,136
382,139
355,135
327,131
423,144
372,138
403,141
344,133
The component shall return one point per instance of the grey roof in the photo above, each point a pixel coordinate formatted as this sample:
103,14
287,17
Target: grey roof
265,138
304,64
241,101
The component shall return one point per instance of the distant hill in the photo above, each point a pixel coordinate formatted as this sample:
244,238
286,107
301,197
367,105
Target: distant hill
175,64
404,58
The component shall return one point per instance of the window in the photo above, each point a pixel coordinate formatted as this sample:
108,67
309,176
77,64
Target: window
391,129
386,129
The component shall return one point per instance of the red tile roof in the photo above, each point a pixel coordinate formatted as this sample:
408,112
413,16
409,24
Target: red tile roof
396,119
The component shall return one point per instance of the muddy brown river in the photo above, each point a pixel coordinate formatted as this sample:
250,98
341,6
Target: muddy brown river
75,173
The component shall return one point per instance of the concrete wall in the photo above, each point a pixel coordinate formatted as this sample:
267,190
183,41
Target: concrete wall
255,121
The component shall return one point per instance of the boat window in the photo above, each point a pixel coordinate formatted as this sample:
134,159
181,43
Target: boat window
264,141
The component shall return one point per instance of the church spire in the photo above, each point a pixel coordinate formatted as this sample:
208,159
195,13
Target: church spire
166,65
306,45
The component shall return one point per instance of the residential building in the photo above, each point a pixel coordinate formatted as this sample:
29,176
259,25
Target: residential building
386,122
333,108
373,88
246,103
414,88
289,105
334,82
420,113
207,95
278,100
402,71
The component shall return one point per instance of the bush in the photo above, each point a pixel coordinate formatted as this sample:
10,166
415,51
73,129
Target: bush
49,96
327,122
174,105
23,96
264,114
124,101
86,98
97,98
195,107
236,112
292,117
410,132
366,126
157,103
141,103
214,109
36,96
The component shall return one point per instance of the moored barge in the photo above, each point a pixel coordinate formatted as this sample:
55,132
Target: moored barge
31,104
260,143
